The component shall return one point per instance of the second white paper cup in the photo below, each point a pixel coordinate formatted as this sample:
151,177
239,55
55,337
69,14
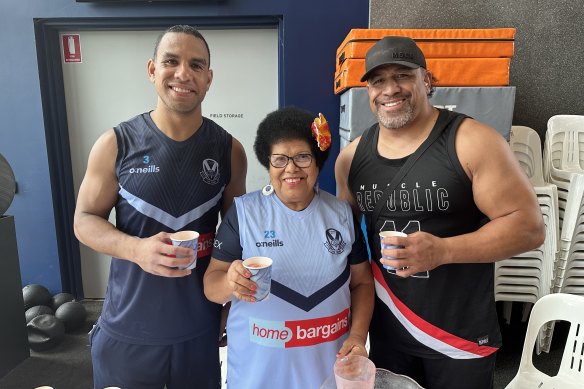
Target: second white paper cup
261,273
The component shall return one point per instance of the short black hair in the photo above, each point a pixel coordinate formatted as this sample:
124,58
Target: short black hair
284,124
185,29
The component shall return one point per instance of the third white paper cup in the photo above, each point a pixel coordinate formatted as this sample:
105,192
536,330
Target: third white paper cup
382,235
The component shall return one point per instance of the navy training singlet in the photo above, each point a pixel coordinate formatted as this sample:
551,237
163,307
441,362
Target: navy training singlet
165,185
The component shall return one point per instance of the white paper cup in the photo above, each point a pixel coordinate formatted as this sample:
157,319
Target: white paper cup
382,235
186,239
261,273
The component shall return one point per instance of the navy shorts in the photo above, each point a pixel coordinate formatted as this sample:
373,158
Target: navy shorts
190,364
477,373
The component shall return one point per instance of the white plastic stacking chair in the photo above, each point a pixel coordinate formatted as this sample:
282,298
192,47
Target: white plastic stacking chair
526,145
565,140
573,204
563,155
573,271
557,306
569,129
550,256
573,223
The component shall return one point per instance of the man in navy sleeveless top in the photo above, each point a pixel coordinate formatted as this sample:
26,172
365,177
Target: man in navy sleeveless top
464,204
166,170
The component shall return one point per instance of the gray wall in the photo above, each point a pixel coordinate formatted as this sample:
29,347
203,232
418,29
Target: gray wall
547,68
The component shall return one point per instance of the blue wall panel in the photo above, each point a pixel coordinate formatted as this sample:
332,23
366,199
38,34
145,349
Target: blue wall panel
312,30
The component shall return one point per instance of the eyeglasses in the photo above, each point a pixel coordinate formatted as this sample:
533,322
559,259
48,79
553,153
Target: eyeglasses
281,160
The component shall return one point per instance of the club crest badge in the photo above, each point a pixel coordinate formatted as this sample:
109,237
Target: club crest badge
334,241
210,172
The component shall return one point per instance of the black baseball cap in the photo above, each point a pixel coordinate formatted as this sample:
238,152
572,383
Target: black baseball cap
389,50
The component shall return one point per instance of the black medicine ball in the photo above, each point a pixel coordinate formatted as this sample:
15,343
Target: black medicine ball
35,294
45,332
72,314
38,310
60,299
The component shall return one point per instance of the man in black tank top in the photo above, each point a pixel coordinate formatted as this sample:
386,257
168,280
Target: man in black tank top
166,170
454,187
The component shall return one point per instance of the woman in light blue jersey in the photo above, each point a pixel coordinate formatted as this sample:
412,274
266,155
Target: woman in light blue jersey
321,296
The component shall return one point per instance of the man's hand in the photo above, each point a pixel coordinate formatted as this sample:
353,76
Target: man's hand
156,255
421,252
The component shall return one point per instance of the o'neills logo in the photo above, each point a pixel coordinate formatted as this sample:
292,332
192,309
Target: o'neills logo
270,243
298,333
148,169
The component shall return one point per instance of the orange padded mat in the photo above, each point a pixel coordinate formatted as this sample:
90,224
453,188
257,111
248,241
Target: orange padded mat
446,71
436,42
440,49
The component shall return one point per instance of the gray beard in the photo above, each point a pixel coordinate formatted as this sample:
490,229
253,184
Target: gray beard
396,122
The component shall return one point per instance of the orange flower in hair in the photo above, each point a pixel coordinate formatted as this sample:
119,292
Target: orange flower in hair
321,132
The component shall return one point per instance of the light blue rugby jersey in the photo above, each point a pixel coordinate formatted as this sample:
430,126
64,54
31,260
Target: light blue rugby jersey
291,339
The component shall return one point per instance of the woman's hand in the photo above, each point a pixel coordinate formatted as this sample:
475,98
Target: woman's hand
225,280
238,279
353,345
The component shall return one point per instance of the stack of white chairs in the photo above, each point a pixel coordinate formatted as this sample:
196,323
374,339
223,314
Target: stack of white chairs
563,166
533,268
528,276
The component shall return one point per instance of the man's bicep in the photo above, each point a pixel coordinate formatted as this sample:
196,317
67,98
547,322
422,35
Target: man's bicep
495,175
99,189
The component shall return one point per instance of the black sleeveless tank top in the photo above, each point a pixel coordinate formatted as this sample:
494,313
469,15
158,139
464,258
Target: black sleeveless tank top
449,310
